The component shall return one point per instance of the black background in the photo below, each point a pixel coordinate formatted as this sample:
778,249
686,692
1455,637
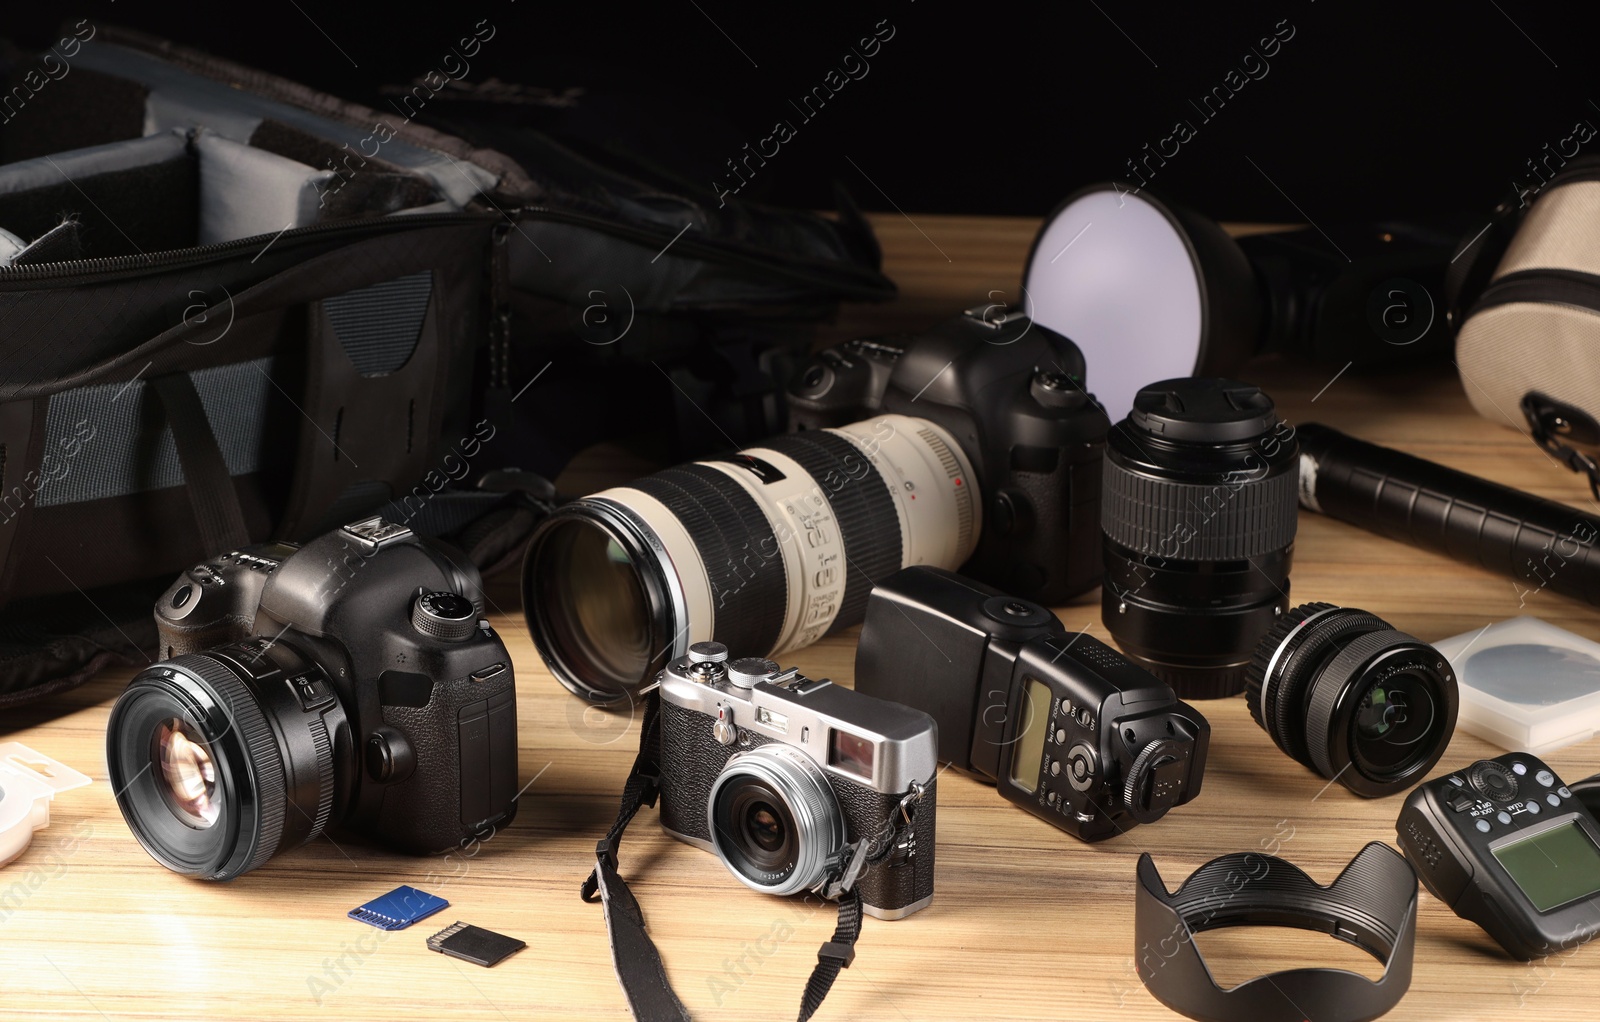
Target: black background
1369,110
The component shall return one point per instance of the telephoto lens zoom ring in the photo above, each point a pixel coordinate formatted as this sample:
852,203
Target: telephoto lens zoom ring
1331,682
1198,522
261,749
731,531
869,526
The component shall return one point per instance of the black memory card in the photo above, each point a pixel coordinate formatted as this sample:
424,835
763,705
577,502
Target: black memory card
475,944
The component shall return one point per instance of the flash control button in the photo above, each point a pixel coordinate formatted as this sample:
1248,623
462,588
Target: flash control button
1545,778
1494,780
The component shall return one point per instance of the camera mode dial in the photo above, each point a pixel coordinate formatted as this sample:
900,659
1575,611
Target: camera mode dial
449,617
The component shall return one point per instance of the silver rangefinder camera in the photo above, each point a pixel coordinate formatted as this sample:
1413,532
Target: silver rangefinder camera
798,784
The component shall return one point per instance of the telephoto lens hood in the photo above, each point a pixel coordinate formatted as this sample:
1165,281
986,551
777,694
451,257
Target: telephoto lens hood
1372,904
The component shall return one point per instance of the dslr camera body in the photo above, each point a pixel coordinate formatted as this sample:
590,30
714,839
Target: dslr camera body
1012,394
1065,726
352,682
795,783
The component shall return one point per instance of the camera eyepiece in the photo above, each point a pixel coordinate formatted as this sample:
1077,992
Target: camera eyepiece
1346,695
1198,520
216,769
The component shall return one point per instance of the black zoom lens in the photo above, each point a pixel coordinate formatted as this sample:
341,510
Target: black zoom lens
1348,696
1198,513
224,758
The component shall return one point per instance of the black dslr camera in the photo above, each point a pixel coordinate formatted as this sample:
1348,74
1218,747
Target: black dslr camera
795,783
352,682
1012,394
1066,726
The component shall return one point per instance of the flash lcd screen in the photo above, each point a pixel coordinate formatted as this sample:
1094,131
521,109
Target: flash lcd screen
1554,867
1031,731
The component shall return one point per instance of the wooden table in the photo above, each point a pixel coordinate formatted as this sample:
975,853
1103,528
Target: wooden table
1027,923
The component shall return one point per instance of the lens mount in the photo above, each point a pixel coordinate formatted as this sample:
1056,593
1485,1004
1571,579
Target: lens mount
216,764
645,611
774,820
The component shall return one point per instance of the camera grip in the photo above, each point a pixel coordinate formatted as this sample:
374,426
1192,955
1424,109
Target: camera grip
464,741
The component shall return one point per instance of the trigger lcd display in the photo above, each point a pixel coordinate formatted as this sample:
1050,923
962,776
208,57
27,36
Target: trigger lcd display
1033,726
1553,867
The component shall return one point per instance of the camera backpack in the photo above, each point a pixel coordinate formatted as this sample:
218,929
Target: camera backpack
1528,346
233,309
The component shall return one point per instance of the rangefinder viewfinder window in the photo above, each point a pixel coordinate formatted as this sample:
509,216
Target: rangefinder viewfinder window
1035,725
1555,867
850,753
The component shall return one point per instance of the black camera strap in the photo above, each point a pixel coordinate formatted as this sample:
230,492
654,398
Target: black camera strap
638,963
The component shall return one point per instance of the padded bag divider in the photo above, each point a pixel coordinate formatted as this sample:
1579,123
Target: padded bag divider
327,387
127,197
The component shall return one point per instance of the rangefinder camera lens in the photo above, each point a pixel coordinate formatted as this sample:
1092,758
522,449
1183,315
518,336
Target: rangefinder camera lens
1198,519
765,550
1346,695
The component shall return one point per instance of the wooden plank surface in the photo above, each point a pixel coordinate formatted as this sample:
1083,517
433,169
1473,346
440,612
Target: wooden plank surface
1026,923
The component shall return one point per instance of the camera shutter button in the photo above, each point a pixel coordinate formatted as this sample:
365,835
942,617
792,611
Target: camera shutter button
450,617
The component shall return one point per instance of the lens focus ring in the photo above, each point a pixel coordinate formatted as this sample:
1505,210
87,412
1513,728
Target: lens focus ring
1198,522
1333,681
265,760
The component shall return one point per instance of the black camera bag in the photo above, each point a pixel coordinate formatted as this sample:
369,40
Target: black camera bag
233,308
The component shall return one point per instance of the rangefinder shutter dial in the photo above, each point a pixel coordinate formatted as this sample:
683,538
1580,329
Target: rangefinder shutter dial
746,671
449,617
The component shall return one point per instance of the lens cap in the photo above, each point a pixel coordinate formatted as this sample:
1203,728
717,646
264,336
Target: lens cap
1203,410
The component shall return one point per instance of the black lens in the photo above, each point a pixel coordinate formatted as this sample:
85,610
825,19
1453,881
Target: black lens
753,815
1353,699
594,615
1198,517
216,763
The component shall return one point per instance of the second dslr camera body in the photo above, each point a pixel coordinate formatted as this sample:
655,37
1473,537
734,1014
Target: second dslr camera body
1012,393
1066,727
792,781
351,682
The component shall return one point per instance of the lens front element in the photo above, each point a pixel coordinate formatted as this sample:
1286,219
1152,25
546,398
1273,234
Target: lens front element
188,772
1353,699
774,820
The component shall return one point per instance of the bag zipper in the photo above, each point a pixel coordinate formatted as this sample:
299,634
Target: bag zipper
1572,288
70,271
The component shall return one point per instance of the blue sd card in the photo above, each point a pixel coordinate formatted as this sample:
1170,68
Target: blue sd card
399,908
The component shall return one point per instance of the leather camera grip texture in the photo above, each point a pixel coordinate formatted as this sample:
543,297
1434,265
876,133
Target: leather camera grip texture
425,812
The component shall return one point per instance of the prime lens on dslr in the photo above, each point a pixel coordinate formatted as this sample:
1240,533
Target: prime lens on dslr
1346,695
216,764
1198,513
